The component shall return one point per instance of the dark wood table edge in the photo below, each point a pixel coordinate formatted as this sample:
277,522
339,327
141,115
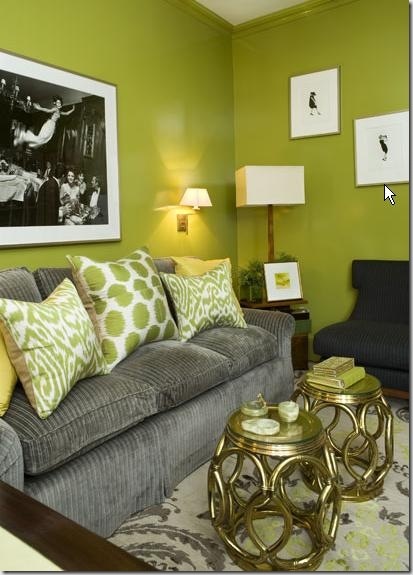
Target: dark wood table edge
61,540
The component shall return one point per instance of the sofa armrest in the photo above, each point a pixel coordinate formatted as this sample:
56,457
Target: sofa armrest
282,325
11,457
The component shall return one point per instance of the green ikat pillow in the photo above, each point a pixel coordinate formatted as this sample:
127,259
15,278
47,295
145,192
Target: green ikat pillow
126,302
52,345
204,301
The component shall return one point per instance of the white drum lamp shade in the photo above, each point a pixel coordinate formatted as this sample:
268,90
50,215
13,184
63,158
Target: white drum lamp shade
270,186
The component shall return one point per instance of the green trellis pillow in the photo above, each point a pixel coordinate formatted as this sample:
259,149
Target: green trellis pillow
204,301
52,345
126,302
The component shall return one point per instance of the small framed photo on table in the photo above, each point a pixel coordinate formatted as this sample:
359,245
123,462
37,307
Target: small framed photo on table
282,281
381,145
315,104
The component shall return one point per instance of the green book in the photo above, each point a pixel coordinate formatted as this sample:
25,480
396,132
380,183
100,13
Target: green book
345,380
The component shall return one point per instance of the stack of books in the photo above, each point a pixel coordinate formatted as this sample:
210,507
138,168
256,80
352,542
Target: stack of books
335,372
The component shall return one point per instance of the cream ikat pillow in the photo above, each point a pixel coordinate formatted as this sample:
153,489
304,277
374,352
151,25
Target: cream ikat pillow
204,301
126,302
51,345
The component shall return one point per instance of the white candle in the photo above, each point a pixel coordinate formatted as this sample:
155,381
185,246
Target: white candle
288,410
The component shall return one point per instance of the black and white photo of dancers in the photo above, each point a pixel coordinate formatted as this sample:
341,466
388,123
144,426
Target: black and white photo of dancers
46,177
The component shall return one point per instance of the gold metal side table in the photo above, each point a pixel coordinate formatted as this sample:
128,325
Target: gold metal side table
283,524
364,450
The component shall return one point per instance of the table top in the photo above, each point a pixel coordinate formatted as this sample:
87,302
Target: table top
366,389
64,543
300,436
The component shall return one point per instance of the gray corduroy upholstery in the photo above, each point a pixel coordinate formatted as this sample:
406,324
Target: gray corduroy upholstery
11,457
377,331
121,442
19,284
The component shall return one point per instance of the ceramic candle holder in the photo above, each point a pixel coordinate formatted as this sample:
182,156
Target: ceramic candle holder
288,411
255,408
261,426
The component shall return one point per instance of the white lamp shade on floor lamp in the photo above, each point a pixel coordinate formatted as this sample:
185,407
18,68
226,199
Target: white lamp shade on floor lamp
270,186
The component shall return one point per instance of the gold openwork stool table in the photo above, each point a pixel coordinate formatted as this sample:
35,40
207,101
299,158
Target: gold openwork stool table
359,427
281,522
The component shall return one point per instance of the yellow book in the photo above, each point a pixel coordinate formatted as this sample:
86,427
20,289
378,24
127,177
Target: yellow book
333,366
345,380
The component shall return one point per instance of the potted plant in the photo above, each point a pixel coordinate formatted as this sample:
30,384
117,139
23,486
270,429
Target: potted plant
251,281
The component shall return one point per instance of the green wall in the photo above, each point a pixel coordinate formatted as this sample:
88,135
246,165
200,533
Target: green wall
173,73
174,68
369,40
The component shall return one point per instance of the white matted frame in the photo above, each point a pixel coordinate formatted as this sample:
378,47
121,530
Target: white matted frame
282,281
84,140
315,104
381,148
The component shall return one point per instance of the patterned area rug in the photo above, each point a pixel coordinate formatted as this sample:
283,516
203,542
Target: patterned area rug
372,536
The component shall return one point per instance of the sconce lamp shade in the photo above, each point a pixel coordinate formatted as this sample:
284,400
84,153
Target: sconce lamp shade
269,185
196,198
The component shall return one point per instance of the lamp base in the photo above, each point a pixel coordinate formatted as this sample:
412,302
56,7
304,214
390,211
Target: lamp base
270,232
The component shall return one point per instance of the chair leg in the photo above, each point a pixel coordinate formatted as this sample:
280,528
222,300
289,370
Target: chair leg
390,392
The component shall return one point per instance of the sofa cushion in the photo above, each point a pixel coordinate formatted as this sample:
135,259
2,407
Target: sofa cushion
126,302
178,371
189,266
371,343
51,344
205,301
244,348
96,409
47,279
19,283
166,265
8,377
155,377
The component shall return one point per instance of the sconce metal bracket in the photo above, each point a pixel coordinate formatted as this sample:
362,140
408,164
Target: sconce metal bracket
182,223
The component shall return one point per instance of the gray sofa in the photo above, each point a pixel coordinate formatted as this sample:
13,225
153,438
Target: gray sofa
121,442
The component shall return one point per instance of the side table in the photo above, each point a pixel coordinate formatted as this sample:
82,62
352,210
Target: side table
357,450
299,341
283,524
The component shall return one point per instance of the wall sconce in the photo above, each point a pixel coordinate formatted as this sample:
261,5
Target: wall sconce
194,198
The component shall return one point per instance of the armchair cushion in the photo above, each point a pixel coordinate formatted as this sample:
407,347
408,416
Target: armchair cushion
371,343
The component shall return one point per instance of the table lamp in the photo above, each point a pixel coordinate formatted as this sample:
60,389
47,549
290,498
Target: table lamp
270,186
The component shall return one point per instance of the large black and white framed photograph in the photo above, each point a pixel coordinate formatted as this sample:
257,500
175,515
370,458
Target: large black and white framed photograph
381,147
58,156
315,104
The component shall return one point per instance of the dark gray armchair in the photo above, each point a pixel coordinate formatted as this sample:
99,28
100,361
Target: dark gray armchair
377,332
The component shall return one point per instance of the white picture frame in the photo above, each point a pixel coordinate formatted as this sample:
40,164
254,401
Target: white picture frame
282,281
25,85
381,149
315,103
